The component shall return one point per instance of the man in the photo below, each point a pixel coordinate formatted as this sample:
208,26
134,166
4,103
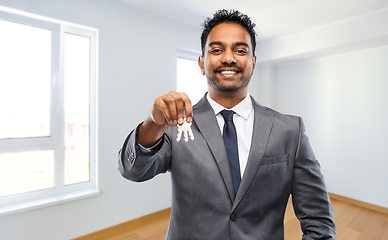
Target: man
234,179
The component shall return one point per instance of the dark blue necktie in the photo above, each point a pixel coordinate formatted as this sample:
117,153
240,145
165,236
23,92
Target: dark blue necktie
230,140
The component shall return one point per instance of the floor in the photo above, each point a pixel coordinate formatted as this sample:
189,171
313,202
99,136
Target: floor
353,223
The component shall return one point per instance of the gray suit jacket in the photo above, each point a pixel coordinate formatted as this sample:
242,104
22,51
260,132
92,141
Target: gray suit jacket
281,162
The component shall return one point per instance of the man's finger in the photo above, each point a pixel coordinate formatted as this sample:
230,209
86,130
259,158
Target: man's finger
180,106
170,101
188,107
160,112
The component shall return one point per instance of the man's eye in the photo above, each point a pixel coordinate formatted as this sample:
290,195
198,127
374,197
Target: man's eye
215,50
241,51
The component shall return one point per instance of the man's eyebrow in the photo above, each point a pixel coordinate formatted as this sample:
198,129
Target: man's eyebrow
242,44
236,44
215,43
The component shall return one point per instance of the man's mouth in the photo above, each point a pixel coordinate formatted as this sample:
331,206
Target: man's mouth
228,72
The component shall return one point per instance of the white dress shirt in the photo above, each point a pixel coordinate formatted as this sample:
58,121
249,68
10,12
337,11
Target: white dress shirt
243,121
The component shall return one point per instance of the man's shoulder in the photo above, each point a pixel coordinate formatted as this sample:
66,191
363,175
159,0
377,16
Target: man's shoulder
279,118
273,112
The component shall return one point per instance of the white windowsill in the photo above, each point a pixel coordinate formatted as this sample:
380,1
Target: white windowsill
49,201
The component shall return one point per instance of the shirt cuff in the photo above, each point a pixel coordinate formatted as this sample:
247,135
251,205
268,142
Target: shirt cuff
143,151
147,151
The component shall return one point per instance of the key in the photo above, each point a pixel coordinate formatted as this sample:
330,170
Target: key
179,135
191,133
185,129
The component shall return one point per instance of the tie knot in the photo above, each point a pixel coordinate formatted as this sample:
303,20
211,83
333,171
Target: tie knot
227,114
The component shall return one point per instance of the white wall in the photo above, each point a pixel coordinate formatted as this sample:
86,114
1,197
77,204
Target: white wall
344,102
137,62
336,78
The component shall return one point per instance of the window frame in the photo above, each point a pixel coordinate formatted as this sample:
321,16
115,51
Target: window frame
61,192
190,55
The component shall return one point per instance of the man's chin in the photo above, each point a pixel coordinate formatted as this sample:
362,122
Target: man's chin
227,85
229,88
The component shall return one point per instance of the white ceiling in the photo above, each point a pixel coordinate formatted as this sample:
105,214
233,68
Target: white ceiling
274,18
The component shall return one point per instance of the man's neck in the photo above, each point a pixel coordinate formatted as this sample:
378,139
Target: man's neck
228,100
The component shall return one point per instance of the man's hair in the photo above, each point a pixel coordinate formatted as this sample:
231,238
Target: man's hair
233,16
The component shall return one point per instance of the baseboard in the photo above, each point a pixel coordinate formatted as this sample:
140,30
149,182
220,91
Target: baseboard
126,226
359,203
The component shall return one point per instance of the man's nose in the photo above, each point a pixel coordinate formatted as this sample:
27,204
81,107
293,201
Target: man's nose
228,57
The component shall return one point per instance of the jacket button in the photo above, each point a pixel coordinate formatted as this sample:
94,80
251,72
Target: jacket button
233,217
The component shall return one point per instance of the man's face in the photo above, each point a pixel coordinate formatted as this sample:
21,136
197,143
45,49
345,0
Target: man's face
228,60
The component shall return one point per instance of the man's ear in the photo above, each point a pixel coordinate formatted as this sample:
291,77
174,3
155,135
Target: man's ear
254,64
201,65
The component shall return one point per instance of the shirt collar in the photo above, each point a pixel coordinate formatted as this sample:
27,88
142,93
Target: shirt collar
244,108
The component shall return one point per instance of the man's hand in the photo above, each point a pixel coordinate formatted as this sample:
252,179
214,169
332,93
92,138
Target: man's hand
168,110
171,109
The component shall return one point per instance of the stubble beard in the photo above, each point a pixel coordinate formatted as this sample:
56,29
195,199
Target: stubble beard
216,83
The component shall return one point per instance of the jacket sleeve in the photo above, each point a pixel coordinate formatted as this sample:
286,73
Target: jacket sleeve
137,166
310,199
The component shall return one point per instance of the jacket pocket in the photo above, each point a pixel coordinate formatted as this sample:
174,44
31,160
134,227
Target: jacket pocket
274,159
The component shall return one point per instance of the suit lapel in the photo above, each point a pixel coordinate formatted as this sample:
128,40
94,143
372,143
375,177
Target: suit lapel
204,118
261,130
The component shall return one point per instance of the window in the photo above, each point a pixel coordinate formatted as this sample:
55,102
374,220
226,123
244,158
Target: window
189,77
47,111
